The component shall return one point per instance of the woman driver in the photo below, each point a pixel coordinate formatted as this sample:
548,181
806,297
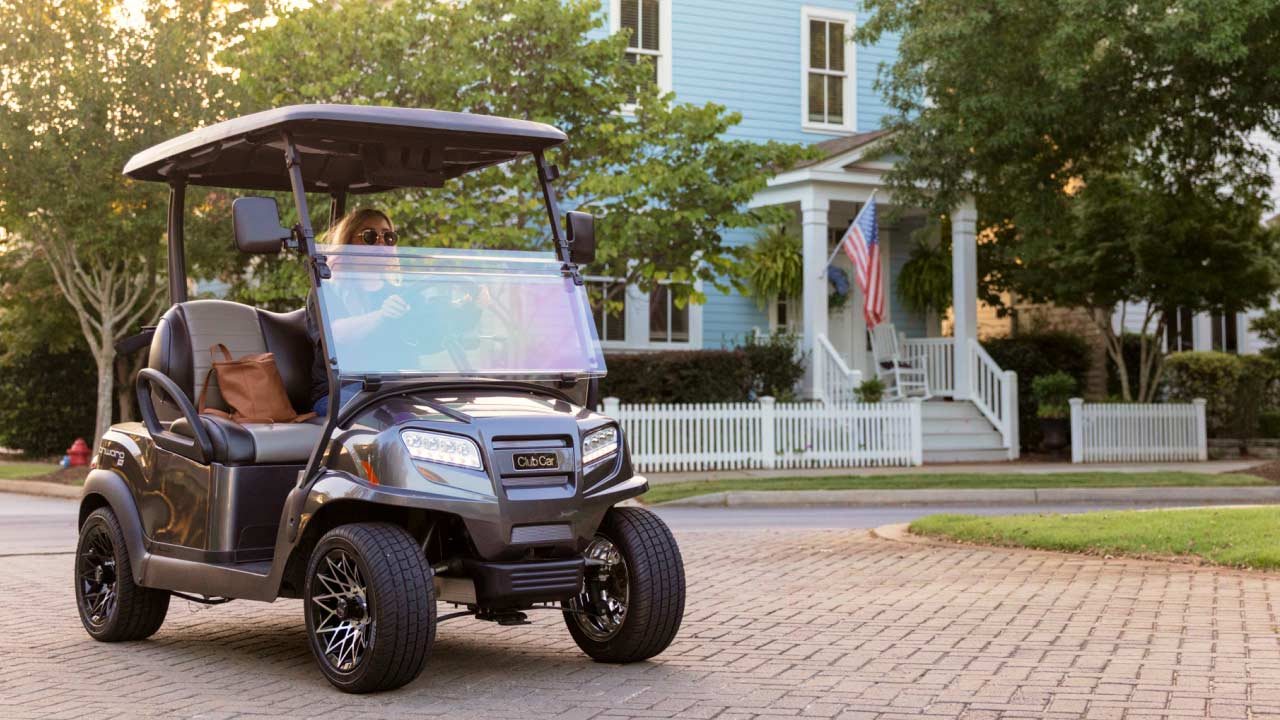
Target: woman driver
364,309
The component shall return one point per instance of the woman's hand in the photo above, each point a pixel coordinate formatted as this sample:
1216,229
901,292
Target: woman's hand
393,307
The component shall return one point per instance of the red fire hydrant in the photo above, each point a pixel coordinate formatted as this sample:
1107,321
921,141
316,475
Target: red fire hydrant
78,453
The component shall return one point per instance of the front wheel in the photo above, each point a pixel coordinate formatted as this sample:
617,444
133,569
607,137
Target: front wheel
370,607
632,600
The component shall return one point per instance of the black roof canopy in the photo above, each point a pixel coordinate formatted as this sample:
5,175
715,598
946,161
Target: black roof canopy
351,148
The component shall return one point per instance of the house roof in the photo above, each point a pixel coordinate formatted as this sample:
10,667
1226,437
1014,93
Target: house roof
841,145
343,147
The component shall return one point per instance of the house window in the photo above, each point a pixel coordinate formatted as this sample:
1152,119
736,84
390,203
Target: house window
1226,335
609,309
667,323
648,27
828,55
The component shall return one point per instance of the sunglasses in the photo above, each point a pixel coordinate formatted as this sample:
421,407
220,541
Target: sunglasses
370,236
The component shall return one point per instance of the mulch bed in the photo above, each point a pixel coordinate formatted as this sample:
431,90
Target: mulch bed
1267,471
63,476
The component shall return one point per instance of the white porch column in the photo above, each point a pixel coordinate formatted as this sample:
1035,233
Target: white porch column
813,220
964,289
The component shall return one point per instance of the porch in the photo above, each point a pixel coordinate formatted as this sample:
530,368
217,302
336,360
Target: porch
972,414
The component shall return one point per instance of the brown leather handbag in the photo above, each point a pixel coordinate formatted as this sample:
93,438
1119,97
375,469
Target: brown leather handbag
252,388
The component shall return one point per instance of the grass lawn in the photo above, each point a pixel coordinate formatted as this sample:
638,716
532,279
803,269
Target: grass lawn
674,491
18,470
1238,537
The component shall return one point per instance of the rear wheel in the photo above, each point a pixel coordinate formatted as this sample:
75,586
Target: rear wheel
632,599
370,607
112,607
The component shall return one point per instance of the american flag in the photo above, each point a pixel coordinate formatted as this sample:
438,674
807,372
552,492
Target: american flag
862,244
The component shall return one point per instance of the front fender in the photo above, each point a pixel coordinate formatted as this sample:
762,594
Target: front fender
104,486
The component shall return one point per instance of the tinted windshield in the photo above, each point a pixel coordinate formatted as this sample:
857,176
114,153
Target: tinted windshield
448,312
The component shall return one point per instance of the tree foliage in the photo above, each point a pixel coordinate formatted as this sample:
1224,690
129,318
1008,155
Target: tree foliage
661,178
84,85
1107,143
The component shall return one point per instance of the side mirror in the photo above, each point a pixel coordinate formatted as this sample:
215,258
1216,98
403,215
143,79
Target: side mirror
581,229
257,225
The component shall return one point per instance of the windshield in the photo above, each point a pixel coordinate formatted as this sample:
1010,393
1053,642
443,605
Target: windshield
450,312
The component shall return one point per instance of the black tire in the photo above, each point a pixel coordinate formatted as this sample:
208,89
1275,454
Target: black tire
655,590
392,621
113,608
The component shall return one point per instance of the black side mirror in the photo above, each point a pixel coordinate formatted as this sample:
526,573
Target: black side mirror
257,225
581,228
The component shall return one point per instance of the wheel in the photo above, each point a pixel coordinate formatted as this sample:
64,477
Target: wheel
112,607
370,607
632,600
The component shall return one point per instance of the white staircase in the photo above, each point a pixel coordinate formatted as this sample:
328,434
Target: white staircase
959,432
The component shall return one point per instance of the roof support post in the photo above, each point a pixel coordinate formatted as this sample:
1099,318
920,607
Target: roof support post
547,174
337,207
814,208
177,242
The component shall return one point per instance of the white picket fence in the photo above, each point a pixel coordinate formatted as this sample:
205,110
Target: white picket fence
767,434
1143,432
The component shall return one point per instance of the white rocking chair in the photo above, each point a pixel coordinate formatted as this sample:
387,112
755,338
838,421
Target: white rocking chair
903,378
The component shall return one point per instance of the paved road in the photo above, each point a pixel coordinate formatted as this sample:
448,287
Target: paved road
783,620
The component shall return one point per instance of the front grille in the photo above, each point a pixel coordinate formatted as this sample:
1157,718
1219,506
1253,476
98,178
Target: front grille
537,534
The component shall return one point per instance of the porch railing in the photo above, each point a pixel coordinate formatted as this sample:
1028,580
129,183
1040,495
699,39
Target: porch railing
995,392
939,357
836,381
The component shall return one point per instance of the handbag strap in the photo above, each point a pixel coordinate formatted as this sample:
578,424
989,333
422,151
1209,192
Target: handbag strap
204,387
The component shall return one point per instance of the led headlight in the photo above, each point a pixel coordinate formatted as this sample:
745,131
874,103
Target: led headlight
599,444
444,449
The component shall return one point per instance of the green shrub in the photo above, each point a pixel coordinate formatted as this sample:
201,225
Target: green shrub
1032,355
775,365
1236,388
678,376
870,390
757,367
1269,424
1052,393
49,400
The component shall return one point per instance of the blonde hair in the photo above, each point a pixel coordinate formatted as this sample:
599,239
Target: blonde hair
343,232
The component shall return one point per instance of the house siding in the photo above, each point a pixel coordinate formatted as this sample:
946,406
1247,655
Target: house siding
746,56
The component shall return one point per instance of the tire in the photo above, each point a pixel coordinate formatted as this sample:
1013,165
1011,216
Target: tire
655,589
370,607
112,607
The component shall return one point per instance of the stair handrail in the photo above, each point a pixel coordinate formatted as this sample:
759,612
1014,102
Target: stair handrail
995,392
836,380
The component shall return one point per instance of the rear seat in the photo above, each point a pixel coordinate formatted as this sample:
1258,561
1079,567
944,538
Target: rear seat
180,350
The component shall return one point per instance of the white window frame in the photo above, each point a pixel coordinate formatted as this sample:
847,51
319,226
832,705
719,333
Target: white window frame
636,312
663,55
807,13
628,300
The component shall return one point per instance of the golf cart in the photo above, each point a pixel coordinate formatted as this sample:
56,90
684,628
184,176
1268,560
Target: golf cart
460,459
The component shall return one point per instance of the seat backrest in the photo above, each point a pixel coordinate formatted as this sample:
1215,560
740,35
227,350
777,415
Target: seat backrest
187,331
884,343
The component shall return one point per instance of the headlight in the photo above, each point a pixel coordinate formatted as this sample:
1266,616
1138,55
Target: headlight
444,449
599,444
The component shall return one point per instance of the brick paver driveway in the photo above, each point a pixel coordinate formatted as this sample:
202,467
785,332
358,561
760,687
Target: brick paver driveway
779,623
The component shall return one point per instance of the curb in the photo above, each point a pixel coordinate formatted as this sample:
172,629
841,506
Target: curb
43,489
1014,496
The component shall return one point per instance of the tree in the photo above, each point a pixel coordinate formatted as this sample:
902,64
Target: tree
1107,144
662,179
85,84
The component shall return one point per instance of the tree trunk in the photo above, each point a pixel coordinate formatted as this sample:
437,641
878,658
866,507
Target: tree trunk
106,380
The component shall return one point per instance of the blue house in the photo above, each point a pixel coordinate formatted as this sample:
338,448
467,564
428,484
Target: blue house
792,70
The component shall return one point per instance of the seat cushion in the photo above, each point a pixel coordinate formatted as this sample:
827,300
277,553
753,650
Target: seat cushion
267,444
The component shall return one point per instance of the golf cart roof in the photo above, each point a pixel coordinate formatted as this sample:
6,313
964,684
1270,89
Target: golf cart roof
343,148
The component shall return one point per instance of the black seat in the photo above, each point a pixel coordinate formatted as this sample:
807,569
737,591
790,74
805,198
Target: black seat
181,351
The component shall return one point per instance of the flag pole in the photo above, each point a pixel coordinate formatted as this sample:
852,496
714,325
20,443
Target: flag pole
840,244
